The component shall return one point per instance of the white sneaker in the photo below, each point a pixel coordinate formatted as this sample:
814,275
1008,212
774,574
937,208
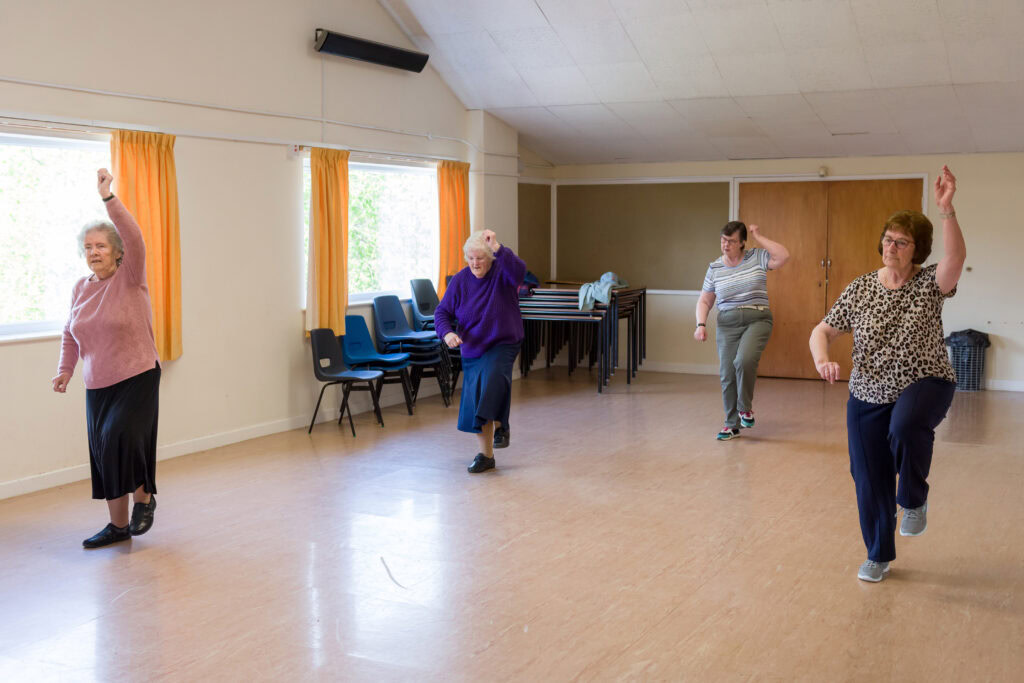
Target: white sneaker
873,571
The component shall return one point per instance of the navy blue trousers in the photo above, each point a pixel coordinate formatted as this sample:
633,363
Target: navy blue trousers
890,439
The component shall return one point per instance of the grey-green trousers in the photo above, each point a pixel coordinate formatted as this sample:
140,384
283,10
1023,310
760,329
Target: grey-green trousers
741,336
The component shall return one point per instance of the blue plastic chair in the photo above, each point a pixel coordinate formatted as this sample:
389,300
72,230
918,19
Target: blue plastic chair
425,354
424,303
329,367
358,351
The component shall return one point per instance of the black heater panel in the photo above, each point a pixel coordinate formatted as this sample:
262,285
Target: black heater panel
369,51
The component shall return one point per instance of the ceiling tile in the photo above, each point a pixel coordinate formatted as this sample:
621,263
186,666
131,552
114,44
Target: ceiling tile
537,120
709,109
974,21
745,29
670,39
747,148
874,144
854,112
825,70
696,76
472,51
986,61
630,10
531,48
440,18
995,113
777,106
559,85
628,82
809,24
502,88
761,74
816,145
908,64
592,119
499,15
885,23
731,128
653,119
570,13
605,43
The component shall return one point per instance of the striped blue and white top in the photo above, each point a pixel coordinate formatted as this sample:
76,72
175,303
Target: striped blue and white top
743,285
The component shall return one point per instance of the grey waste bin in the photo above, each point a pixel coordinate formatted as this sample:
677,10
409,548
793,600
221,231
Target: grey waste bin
967,355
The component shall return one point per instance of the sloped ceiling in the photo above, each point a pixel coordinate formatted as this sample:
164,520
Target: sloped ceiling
608,81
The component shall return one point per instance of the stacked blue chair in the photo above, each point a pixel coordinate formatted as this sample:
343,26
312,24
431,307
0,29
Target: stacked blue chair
424,348
424,303
329,367
359,353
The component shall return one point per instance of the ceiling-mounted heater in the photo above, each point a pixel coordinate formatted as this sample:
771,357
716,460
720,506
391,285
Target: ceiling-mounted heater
369,51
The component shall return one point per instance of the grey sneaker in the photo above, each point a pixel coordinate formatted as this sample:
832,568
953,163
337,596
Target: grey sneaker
873,571
915,521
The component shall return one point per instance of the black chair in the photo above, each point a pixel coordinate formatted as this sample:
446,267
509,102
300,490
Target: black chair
424,303
329,367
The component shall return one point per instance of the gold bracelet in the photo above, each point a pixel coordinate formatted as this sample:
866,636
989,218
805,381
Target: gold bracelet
947,215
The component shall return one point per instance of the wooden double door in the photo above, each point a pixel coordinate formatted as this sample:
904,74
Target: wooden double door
831,229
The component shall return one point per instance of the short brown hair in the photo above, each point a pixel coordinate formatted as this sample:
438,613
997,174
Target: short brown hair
732,227
914,225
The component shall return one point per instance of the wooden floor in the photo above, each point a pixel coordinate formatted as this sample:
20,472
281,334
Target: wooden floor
616,541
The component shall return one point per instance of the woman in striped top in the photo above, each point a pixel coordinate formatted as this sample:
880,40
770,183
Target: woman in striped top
738,282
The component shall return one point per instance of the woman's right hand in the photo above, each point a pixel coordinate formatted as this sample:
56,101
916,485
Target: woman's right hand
829,370
60,382
701,333
103,180
452,340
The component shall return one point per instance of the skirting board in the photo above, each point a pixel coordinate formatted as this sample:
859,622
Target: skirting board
68,475
681,368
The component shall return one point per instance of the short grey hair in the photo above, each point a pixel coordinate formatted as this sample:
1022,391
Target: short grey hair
476,242
107,228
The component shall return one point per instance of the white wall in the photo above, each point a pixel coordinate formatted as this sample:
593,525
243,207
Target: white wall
987,202
245,370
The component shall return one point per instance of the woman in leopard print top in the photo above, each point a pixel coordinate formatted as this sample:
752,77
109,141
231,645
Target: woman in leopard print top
902,383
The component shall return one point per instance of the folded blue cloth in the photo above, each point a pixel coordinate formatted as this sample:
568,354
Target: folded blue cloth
601,290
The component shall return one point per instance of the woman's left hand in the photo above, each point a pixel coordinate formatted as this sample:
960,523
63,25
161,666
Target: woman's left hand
945,188
491,240
103,180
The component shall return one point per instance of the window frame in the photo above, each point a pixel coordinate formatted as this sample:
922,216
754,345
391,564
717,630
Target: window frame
60,139
360,162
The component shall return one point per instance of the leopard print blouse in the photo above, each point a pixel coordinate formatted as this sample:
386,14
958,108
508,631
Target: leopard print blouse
897,334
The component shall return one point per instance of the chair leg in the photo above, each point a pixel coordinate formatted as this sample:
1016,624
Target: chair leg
375,395
414,381
346,389
315,410
403,374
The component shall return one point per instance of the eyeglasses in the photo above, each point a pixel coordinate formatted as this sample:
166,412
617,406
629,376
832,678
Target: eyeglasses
900,244
726,240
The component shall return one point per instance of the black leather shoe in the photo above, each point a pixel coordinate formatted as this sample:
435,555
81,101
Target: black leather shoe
481,463
501,435
110,534
142,517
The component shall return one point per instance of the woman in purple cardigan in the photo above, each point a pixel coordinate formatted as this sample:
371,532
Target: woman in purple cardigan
482,301
110,328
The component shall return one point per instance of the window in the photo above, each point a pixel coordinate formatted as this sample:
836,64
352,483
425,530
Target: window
47,193
393,232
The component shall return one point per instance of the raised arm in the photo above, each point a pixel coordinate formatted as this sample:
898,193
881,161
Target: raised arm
704,304
779,254
134,258
821,338
511,267
952,264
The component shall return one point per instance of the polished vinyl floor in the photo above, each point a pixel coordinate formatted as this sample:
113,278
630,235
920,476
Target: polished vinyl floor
616,541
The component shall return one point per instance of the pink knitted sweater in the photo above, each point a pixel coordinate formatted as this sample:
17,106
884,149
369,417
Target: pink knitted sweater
110,326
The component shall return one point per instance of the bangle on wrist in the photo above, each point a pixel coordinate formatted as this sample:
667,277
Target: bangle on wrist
702,324
107,199
951,213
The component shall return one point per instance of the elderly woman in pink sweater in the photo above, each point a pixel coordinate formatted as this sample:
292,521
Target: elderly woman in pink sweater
110,329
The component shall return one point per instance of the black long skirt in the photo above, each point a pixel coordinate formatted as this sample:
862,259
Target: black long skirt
122,421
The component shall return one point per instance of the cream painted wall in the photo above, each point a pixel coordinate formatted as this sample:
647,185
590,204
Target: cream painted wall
987,201
494,178
246,369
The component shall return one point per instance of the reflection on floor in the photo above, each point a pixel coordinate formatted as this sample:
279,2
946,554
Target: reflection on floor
616,540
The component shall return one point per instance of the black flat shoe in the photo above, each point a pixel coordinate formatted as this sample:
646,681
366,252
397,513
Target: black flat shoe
110,534
501,435
481,463
142,517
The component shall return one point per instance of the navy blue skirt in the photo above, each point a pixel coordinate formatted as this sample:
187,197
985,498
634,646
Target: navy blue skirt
487,387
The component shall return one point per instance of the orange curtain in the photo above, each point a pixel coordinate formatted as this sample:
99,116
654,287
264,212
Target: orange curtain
328,240
147,183
453,196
